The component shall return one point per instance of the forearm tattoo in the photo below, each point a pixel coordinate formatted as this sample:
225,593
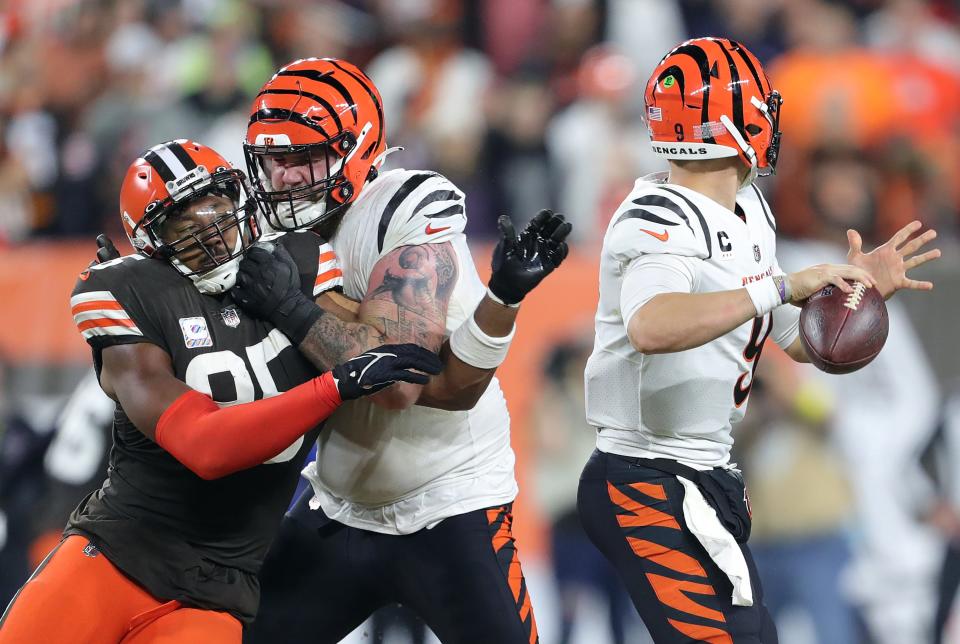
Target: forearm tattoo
331,341
406,301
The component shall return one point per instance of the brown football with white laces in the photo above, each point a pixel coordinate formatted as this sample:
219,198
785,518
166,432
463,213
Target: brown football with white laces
843,332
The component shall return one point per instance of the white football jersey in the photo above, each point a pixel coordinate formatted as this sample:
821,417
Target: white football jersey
399,471
680,405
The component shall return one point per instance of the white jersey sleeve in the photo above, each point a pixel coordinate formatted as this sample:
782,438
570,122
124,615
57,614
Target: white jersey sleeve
650,275
657,220
425,209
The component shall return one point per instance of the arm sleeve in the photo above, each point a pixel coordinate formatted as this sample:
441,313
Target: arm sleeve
213,442
651,275
786,319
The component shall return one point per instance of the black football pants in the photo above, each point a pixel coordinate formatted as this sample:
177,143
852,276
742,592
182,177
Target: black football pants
634,515
321,579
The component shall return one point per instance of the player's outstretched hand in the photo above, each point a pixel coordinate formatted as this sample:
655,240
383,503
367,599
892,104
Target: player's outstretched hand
106,251
890,262
268,282
370,372
521,262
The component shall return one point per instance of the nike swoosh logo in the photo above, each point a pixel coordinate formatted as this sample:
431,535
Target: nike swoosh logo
664,236
431,230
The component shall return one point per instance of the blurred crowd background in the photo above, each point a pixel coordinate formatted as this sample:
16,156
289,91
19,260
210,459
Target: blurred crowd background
855,480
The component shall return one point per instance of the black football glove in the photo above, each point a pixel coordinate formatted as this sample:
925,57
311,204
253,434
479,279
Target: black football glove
370,372
106,251
268,288
520,263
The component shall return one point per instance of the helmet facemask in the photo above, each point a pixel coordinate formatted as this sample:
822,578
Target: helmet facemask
326,190
206,249
771,109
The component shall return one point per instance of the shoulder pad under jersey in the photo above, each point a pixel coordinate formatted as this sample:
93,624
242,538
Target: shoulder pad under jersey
658,219
419,208
108,304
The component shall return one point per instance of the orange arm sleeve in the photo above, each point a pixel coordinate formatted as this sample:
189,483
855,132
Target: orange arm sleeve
213,442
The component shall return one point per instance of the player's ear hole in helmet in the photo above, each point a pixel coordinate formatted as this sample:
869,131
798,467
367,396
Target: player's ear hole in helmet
183,202
315,138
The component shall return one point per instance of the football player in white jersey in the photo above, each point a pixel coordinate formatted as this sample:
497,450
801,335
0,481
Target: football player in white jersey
690,289
411,495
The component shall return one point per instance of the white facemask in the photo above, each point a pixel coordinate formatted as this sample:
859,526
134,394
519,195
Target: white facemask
219,279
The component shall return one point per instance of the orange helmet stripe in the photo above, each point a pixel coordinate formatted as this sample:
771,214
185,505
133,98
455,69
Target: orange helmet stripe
299,93
324,78
763,85
367,84
736,95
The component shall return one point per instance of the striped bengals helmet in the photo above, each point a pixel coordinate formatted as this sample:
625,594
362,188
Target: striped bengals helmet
322,108
709,98
168,177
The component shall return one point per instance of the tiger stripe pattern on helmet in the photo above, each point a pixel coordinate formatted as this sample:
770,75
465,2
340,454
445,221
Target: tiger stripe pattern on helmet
709,98
321,107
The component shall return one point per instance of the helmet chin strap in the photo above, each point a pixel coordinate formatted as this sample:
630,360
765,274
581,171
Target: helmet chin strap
219,280
747,149
300,214
303,212
216,280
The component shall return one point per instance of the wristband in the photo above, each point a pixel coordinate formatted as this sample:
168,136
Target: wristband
296,322
469,343
496,299
765,295
783,286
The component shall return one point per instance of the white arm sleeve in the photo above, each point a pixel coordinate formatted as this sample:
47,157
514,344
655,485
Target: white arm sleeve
786,319
650,275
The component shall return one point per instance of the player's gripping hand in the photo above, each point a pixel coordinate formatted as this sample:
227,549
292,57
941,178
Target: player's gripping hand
106,251
805,283
370,372
521,262
268,288
268,281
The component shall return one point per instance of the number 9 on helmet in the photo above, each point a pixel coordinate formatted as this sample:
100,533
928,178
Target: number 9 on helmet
709,98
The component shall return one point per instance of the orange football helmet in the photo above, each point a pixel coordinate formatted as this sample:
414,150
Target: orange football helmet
709,98
165,179
315,109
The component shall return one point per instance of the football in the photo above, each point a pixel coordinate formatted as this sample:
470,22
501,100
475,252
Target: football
843,332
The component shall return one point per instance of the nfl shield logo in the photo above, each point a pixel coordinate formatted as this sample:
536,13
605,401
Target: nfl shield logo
230,317
756,253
